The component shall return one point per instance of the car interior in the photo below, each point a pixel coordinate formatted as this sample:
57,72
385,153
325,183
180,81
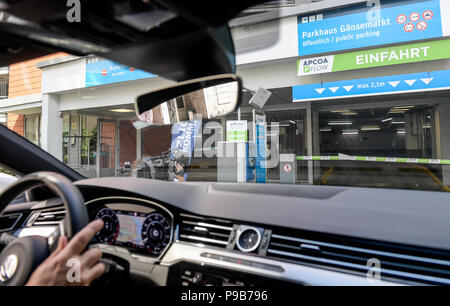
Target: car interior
197,233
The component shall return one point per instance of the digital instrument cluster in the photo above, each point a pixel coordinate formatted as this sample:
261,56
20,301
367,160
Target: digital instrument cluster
150,233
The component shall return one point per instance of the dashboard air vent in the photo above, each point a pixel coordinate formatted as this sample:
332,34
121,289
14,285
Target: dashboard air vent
8,222
397,262
208,231
49,216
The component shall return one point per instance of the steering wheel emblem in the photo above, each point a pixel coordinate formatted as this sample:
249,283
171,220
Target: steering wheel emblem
8,268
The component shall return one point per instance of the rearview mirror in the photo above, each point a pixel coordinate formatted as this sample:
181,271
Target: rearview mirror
204,98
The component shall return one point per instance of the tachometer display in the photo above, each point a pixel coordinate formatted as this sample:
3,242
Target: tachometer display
110,230
156,231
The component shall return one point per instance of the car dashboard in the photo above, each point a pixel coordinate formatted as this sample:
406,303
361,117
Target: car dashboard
141,231
184,234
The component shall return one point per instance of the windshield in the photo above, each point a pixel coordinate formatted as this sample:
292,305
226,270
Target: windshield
343,96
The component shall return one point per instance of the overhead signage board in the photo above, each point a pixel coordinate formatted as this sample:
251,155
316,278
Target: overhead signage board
363,26
411,53
101,72
405,83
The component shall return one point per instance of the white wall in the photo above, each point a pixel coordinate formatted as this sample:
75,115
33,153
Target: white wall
445,13
51,126
64,76
109,95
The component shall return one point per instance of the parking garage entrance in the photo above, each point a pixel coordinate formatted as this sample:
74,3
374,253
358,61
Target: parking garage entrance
390,142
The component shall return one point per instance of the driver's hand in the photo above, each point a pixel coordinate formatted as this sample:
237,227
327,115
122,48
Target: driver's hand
53,271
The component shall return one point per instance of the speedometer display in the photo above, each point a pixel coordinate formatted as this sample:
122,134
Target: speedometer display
150,232
156,232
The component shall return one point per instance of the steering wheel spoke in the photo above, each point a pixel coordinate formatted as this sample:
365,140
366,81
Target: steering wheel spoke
6,238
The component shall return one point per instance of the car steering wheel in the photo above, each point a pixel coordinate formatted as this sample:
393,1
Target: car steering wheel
22,256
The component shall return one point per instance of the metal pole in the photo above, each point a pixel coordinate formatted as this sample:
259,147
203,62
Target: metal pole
309,126
99,132
88,154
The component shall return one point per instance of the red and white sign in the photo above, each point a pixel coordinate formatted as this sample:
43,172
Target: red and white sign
402,19
414,17
409,27
422,26
104,72
287,168
132,69
427,15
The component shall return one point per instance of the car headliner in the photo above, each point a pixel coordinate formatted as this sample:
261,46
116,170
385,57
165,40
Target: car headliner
195,43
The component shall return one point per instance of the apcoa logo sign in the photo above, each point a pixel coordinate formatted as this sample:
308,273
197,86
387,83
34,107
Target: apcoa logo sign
315,65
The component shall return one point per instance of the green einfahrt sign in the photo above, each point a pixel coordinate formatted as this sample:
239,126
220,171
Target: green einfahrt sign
411,53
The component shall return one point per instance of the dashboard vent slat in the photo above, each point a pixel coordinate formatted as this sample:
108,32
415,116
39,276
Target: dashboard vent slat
398,262
208,231
49,216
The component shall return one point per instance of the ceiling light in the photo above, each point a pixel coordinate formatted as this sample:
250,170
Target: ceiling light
404,110
349,114
398,122
370,128
410,106
398,110
350,133
341,111
326,130
122,110
401,131
339,123
385,120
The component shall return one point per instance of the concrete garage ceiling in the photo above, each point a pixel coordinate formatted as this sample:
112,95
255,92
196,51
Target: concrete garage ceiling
121,112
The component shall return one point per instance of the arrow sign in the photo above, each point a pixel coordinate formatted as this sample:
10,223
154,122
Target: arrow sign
427,81
394,83
333,89
410,82
320,90
348,88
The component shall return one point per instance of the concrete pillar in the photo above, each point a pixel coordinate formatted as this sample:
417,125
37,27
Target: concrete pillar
51,126
443,137
138,143
312,142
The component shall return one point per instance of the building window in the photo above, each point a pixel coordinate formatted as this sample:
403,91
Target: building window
180,102
4,119
4,82
33,128
80,143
